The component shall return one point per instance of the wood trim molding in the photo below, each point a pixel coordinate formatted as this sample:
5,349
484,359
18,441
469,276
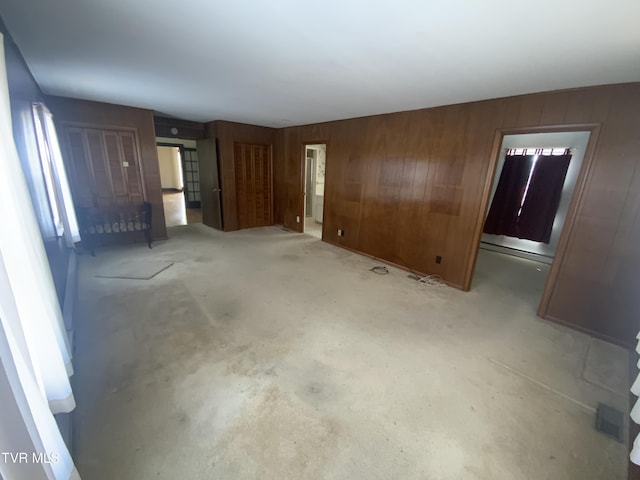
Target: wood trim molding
387,262
576,199
97,126
572,213
303,160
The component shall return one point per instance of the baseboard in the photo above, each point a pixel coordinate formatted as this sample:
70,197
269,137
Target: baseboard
172,190
514,252
401,267
591,333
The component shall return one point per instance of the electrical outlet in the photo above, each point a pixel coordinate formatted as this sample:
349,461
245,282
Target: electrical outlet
438,259
297,218
340,232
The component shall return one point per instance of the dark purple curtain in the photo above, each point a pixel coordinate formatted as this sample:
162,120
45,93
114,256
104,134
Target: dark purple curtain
503,214
543,197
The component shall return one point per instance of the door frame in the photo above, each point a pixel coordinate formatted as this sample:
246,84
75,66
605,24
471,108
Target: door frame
574,205
303,164
308,170
185,189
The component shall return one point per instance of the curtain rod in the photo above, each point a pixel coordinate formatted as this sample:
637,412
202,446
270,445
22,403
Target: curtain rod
571,149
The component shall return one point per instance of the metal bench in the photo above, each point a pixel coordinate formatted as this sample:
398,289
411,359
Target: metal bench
109,222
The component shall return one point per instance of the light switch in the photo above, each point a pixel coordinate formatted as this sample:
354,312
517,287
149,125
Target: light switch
125,164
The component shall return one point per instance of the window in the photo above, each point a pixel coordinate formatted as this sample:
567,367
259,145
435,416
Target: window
528,193
55,177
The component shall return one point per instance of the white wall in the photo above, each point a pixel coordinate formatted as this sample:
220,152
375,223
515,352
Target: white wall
577,141
170,167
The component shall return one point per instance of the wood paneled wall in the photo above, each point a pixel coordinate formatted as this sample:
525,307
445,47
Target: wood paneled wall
227,134
103,115
410,186
185,128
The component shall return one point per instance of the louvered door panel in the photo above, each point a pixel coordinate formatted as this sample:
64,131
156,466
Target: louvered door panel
265,187
82,174
116,168
249,165
99,165
258,167
253,173
106,167
241,191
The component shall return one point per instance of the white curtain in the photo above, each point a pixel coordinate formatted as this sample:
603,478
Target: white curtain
27,145
34,348
59,191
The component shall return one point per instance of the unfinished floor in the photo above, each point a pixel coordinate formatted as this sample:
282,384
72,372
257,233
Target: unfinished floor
265,354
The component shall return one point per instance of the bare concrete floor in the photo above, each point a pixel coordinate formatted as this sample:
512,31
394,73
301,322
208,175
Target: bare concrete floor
266,354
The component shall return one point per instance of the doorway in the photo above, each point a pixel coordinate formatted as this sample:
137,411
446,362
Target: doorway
510,257
314,175
179,178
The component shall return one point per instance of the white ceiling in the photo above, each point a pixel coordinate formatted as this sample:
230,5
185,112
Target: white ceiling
293,62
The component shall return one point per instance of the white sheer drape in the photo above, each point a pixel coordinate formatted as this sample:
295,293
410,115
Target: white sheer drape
27,145
59,191
35,356
71,231
28,426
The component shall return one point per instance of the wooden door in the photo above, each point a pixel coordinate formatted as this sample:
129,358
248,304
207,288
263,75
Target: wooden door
105,167
210,191
253,179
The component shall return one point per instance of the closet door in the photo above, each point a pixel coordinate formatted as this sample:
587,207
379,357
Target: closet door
253,179
105,166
